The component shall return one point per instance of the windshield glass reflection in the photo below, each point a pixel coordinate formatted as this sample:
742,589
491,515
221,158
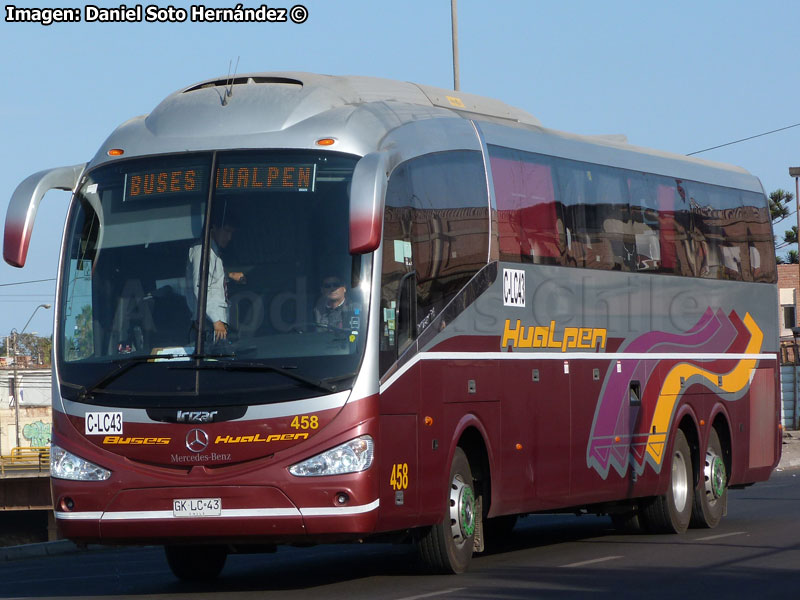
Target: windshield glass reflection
267,265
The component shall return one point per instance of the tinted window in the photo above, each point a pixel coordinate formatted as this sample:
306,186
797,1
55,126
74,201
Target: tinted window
436,231
761,251
529,220
559,211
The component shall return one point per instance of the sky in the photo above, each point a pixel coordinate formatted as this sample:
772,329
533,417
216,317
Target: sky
680,76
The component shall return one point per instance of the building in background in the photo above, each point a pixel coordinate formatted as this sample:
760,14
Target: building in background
35,420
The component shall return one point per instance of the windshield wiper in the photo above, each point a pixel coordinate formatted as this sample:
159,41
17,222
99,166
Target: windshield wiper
251,366
126,364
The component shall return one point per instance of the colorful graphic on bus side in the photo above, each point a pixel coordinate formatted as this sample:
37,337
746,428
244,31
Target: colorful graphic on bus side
633,431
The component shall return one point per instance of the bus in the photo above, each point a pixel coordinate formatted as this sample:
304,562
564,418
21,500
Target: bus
295,308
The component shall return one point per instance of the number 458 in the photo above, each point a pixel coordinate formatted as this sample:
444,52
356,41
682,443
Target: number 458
399,479
305,422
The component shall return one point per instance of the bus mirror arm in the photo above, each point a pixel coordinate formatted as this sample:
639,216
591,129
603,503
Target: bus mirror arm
367,194
24,204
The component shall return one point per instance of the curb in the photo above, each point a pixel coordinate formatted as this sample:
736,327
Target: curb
38,550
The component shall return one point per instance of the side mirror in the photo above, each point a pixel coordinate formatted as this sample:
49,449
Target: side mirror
24,204
367,194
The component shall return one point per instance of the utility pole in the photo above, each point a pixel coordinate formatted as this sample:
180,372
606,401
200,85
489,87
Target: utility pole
17,387
454,20
795,172
16,390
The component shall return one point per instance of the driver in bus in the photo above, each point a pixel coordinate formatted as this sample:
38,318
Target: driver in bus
334,309
217,309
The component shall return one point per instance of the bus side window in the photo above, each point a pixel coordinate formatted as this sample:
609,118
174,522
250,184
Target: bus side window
759,238
450,227
406,312
645,223
530,222
397,261
595,212
719,236
435,239
574,196
614,231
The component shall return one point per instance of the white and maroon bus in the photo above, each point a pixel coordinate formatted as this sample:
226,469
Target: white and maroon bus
295,308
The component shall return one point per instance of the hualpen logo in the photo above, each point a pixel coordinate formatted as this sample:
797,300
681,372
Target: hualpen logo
581,338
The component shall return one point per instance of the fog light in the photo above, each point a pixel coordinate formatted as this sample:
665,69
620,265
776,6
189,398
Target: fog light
342,498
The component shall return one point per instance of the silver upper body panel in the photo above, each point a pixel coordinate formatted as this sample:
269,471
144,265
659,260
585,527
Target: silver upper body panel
294,110
364,115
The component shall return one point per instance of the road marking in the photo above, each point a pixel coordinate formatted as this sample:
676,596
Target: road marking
591,562
721,535
432,594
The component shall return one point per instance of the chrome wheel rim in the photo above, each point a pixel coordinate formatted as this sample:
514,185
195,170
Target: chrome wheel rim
680,481
462,510
715,476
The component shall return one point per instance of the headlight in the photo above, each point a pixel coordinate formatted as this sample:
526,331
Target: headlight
350,457
65,465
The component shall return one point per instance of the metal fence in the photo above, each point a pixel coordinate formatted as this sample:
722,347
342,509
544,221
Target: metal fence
790,403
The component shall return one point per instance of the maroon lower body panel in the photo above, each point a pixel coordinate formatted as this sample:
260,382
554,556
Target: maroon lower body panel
224,513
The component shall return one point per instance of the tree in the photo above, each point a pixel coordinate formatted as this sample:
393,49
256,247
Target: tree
31,345
779,205
81,344
780,208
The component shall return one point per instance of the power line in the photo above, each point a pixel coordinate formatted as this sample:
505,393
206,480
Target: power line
752,137
25,282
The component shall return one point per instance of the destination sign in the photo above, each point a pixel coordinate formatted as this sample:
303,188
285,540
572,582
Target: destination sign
267,178
261,177
164,183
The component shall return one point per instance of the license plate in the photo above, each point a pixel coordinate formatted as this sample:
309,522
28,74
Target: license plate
103,423
197,507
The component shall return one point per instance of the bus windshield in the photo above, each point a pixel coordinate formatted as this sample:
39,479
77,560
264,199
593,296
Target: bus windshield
232,270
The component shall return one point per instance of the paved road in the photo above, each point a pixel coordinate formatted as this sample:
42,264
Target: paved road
755,552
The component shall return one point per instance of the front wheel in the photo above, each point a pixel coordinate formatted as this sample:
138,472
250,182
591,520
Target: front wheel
196,563
447,546
711,494
671,512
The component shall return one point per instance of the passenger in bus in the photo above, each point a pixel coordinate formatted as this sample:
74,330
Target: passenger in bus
334,309
217,308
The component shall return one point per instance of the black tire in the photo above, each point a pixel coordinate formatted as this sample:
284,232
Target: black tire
196,563
447,546
711,495
672,512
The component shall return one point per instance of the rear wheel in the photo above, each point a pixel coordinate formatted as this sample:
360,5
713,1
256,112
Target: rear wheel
196,563
672,512
447,546
711,494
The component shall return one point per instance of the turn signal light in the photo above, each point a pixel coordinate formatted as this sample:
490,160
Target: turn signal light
326,142
116,152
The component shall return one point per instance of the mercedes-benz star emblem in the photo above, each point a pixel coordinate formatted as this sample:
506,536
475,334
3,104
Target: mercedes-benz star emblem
197,440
